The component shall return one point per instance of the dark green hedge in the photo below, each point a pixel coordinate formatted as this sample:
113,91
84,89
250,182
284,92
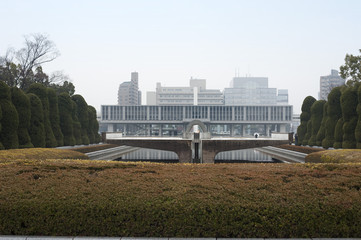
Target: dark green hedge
20,116
305,117
316,119
36,129
39,90
358,126
76,124
1,116
9,120
349,103
22,104
308,133
334,113
83,117
66,121
93,125
54,116
321,132
338,134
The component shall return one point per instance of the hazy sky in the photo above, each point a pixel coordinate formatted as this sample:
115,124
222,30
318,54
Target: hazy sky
101,42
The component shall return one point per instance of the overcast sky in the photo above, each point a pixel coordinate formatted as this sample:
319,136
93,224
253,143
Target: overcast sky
101,42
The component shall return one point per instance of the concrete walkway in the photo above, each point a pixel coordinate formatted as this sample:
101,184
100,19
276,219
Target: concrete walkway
140,238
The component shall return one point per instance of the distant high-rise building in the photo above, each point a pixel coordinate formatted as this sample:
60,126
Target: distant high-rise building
328,82
253,91
128,93
195,94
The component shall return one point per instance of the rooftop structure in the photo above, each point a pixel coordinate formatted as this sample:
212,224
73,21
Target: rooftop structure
128,92
195,94
253,91
328,82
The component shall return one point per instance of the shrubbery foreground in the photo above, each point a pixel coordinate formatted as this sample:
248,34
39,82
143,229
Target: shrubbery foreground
97,198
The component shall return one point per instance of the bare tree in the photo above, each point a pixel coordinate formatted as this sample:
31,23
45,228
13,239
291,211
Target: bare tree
58,77
38,50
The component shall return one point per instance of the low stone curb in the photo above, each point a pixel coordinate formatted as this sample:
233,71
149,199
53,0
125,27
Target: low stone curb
140,238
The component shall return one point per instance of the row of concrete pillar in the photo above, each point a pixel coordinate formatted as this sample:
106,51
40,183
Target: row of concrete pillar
178,129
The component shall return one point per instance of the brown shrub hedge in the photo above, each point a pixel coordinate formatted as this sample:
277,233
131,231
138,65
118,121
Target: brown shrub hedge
94,198
40,154
335,156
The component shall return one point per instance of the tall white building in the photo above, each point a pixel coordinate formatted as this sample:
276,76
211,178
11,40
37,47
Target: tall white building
328,82
195,94
128,92
253,91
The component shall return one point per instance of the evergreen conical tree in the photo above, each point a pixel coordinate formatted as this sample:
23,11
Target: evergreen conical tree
76,124
305,117
349,103
321,132
93,124
54,117
316,119
92,119
36,129
338,134
22,104
358,126
65,105
41,92
9,120
334,113
82,114
1,116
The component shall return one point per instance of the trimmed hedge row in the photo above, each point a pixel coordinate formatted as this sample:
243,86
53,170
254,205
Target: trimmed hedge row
305,117
9,120
335,123
40,154
34,120
335,156
93,198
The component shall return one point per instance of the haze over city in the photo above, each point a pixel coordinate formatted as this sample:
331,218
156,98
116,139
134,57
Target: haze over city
292,43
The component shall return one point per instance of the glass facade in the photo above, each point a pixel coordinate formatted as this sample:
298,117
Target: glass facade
208,113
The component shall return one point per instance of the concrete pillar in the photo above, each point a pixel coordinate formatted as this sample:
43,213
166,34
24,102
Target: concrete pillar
125,130
243,130
233,114
110,127
209,113
282,128
185,156
265,129
159,113
148,116
123,113
232,130
160,130
149,126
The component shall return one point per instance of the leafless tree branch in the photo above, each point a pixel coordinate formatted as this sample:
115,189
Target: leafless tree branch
37,51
